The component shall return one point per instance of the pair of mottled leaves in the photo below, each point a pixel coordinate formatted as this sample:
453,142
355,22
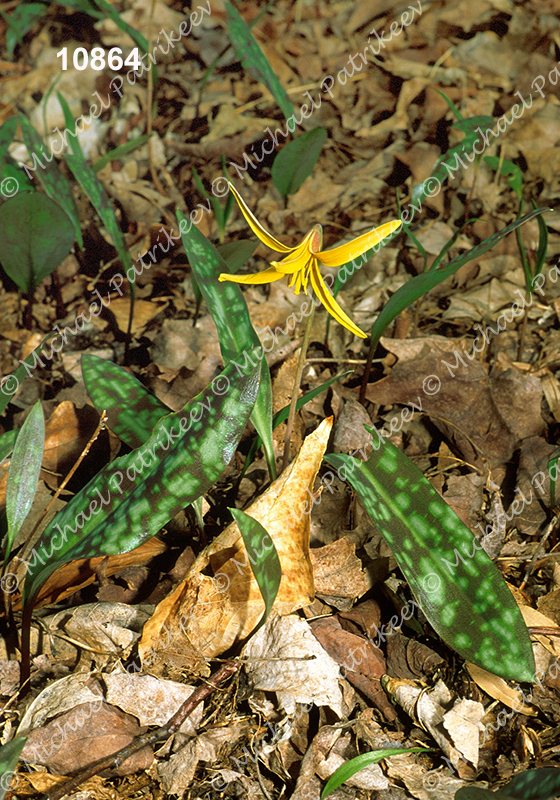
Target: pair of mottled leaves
178,457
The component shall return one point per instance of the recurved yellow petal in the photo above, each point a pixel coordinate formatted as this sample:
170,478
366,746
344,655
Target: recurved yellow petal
266,276
346,252
255,225
330,303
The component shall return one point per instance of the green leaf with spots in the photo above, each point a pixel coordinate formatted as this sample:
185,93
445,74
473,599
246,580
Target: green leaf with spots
262,557
132,410
239,343
23,474
253,58
461,592
533,784
49,176
132,498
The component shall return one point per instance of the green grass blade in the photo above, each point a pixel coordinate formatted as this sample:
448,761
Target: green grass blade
49,176
348,770
253,58
262,557
132,498
422,284
295,162
132,410
23,474
461,592
121,151
510,170
9,756
238,340
447,163
70,123
99,199
87,179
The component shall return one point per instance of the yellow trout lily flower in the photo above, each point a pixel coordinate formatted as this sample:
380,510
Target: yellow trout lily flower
301,262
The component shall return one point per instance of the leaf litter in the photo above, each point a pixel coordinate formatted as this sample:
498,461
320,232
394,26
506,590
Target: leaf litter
486,433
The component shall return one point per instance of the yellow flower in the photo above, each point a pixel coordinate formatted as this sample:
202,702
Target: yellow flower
302,262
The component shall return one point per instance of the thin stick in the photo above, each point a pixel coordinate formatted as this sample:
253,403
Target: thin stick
159,735
297,384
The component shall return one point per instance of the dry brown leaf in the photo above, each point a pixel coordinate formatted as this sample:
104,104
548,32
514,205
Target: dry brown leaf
70,578
497,688
338,573
482,415
87,733
205,615
144,312
454,726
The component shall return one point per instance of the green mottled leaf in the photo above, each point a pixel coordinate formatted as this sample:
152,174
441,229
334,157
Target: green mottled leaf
350,768
36,237
23,474
131,499
420,285
295,162
461,592
534,784
239,343
252,57
49,176
9,756
132,410
477,793
262,557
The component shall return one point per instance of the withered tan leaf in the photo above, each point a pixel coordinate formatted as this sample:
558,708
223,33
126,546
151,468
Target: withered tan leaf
206,614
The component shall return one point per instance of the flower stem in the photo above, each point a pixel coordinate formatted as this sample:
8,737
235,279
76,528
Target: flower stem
297,383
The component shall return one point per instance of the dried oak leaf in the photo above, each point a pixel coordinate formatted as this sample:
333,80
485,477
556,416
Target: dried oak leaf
485,417
206,614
